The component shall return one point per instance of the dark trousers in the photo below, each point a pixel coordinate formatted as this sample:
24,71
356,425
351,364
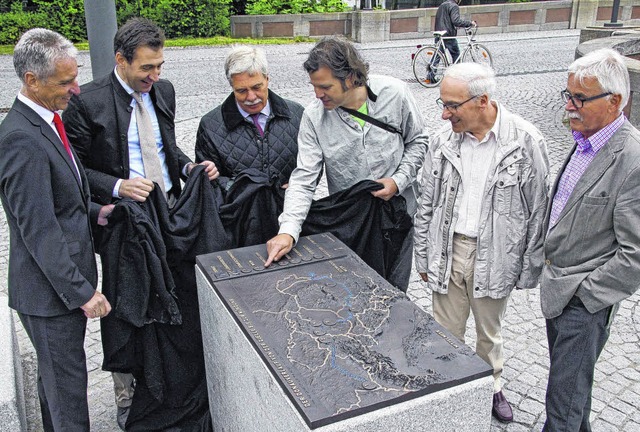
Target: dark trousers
454,49
62,369
576,339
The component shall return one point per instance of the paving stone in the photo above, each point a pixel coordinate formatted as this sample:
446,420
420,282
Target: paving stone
631,426
611,386
602,395
626,409
629,397
531,406
602,426
597,405
612,416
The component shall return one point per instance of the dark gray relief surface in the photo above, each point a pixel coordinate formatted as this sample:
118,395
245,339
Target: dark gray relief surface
340,340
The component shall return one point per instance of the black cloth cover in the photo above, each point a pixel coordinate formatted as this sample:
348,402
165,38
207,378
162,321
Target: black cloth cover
148,257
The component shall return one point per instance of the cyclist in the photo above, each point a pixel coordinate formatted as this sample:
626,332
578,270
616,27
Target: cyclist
448,18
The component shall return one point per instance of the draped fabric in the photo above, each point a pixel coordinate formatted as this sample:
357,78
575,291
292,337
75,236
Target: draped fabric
148,257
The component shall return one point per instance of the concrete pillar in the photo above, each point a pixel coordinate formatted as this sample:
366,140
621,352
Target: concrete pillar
100,16
584,13
370,26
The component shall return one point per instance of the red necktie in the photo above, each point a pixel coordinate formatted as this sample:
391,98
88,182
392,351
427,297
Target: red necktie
255,118
63,135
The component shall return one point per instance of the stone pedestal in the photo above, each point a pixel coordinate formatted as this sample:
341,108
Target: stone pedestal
590,33
298,367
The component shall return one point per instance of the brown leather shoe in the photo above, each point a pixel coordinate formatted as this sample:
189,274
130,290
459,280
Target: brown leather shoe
501,408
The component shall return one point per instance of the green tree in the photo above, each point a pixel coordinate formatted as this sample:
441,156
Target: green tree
273,7
180,18
126,9
16,21
197,18
65,16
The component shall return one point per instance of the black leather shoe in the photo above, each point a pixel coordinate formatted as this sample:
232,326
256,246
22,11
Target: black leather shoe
501,408
121,416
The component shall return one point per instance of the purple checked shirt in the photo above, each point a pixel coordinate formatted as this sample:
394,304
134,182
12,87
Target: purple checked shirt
586,151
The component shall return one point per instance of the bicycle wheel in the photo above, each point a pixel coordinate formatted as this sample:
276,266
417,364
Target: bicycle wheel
429,65
478,53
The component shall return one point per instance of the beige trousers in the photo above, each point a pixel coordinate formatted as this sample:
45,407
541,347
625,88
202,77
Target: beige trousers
451,310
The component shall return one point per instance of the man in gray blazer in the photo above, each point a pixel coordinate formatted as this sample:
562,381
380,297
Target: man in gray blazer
592,245
45,195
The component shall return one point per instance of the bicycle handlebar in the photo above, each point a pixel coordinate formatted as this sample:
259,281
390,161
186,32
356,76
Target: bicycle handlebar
468,31
471,31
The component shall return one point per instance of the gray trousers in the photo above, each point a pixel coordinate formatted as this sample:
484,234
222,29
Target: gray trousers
123,388
576,339
62,369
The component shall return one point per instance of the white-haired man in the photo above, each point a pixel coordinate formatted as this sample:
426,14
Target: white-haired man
478,229
253,127
591,253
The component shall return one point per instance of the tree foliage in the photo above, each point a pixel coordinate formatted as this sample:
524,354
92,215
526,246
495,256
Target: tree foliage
178,18
272,7
64,16
15,22
198,18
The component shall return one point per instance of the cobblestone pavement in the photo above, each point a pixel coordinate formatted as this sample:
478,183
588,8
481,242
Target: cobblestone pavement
530,69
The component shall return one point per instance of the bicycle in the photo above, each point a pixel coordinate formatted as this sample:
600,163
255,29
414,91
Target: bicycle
430,61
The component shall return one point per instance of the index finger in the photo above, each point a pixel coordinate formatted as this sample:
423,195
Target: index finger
274,254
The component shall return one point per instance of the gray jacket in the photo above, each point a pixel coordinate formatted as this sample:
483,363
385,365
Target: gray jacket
448,18
593,251
349,153
511,218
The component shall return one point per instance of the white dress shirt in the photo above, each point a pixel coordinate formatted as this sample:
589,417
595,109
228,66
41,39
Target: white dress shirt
136,167
47,116
476,157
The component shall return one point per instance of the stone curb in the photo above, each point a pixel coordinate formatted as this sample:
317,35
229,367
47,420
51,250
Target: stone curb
12,404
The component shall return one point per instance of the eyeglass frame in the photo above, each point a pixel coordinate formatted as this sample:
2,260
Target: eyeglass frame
569,97
452,107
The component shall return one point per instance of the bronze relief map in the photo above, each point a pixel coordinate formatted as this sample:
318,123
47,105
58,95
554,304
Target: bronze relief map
340,340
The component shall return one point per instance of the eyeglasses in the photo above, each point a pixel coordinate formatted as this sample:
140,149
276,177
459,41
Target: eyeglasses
452,107
578,102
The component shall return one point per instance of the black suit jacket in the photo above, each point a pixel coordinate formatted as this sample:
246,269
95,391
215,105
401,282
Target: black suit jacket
97,121
52,268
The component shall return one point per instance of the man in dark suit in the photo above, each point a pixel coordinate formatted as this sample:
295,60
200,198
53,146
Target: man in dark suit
45,195
104,128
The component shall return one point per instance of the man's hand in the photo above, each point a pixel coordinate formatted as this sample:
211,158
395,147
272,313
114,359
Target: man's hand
103,215
277,247
137,188
424,277
97,307
389,190
209,167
